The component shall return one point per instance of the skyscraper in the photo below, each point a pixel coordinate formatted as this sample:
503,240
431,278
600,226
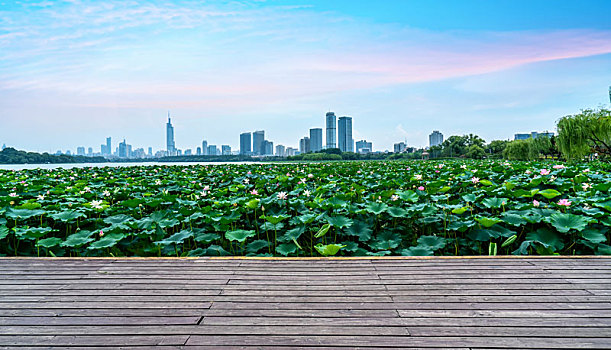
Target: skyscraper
211,150
171,145
267,148
331,130
245,143
258,139
108,145
344,134
435,139
280,151
123,149
80,151
205,148
304,145
315,139
226,150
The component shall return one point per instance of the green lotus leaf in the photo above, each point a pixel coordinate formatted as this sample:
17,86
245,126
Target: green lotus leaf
176,238
78,239
486,221
255,246
376,208
328,249
549,193
432,242
566,222
49,242
339,221
417,251
286,249
397,212
239,235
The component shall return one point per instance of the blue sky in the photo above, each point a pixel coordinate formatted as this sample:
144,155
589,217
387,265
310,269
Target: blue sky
74,72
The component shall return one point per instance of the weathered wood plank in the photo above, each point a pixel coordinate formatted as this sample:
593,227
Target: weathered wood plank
98,320
203,330
92,340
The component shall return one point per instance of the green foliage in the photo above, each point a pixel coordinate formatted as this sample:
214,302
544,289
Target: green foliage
584,134
470,207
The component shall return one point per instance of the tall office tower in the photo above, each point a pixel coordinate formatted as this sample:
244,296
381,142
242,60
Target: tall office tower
80,151
398,147
246,143
304,145
199,151
435,139
315,139
268,148
211,150
108,146
331,130
123,149
150,151
90,151
344,134
290,151
171,145
280,151
226,150
258,138
205,148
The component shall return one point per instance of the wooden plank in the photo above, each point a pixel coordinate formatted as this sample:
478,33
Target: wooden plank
513,331
402,342
98,320
99,312
415,322
501,313
104,305
415,306
92,340
123,330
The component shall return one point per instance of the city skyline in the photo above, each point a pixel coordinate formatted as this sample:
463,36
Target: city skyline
402,68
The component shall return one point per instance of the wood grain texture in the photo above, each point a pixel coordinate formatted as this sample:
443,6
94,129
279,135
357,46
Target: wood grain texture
372,303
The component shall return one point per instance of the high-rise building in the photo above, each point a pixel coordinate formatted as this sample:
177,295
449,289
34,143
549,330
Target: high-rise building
123,149
258,139
304,145
150,153
205,148
280,151
268,148
364,147
90,151
246,143
435,139
226,150
108,146
344,134
80,151
315,139
188,152
399,147
199,151
171,145
331,130
211,150
290,151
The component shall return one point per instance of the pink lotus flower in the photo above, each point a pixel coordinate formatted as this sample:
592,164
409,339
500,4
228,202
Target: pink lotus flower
421,188
528,171
544,172
310,176
282,195
564,202
394,198
254,192
475,179
101,233
558,166
536,203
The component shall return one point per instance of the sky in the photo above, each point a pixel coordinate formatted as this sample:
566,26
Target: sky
75,72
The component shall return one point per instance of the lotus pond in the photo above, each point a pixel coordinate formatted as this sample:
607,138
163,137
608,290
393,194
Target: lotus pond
458,207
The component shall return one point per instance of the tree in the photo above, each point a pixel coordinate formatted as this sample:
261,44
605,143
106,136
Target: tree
584,134
519,150
495,148
475,152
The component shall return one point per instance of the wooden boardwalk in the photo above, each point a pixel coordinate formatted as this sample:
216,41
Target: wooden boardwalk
455,303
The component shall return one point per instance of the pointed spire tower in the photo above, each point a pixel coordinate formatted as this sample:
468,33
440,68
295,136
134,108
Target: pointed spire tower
171,145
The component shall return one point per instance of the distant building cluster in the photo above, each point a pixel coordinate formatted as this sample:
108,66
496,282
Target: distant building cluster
533,135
